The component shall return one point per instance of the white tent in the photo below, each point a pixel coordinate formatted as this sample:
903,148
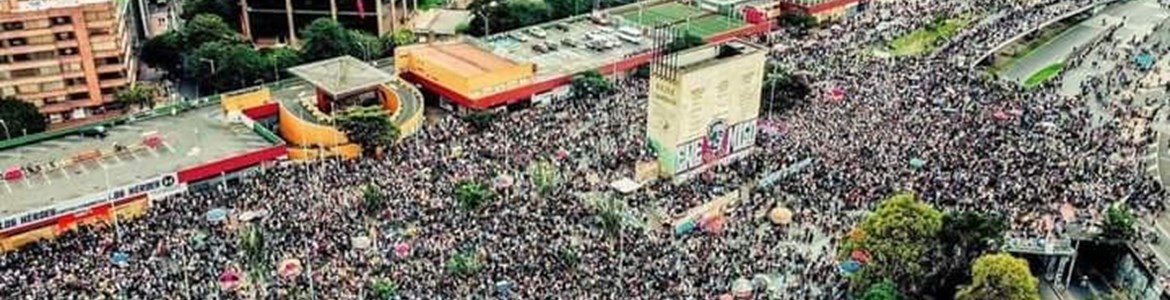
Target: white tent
625,185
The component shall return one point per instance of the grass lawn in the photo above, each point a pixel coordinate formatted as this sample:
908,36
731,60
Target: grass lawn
1043,75
922,40
668,13
710,25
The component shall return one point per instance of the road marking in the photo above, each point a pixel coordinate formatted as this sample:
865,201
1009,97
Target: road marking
153,152
66,172
169,148
9,188
118,157
135,155
46,176
103,165
27,182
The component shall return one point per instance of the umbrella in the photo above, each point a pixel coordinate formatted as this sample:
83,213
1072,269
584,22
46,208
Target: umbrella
503,181
402,249
726,297
504,287
780,215
253,214
120,258
742,288
849,266
685,227
229,279
290,268
360,242
714,225
217,215
917,162
860,255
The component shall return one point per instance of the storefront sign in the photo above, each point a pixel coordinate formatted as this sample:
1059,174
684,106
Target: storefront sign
164,185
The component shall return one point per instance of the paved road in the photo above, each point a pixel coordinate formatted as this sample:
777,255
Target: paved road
1139,17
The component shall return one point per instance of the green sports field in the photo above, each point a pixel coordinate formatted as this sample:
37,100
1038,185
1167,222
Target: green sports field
668,13
709,25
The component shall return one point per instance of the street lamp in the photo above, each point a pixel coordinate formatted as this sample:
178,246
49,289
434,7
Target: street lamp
487,28
6,134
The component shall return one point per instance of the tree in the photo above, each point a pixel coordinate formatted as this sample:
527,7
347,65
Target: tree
897,236
1000,277
590,84
506,15
797,21
611,214
20,117
325,38
369,126
564,8
140,95
480,120
279,60
1119,225
684,41
373,199
471,194
369,47
206,28
384,289
783,91
964,236
164,51
235,65
884,290
544,176
463,263
403,37
226,10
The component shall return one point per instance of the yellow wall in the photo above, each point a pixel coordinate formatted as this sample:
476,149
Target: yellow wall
303,133
129,210
245,100
350,150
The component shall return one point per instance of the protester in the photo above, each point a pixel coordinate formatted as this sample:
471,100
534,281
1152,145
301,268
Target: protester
982,145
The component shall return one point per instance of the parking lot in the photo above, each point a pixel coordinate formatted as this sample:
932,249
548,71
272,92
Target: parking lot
518,45
189,139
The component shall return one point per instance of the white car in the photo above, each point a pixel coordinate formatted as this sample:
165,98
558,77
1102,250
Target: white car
537,32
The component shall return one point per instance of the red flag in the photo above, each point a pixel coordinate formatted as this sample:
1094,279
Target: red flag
361,9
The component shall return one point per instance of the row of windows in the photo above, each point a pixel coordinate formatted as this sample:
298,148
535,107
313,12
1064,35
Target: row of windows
35,24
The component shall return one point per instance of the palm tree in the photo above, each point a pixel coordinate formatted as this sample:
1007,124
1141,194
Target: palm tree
472,194
544,176
251,242
384,289
611,214
373,199
136,95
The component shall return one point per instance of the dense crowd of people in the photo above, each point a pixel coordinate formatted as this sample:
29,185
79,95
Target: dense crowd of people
979,145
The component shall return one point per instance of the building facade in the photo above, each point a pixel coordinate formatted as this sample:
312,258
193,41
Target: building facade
268,22
703,106
462,68
68,57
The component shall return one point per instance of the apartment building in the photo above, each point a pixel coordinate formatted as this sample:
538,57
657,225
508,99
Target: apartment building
68,57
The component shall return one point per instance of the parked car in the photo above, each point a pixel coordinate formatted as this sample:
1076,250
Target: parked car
540,48
561,27
537,32
519,37
570,43
95,132
551,46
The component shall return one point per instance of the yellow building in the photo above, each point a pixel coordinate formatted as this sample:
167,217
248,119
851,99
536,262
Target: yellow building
461,72
703,106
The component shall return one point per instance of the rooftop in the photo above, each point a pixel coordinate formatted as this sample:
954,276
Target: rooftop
706,55
463,58
341,75
441,21
569,57
190,138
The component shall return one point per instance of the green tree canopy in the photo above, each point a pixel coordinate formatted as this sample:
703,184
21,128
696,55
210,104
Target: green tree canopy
20,117
236,65
206,28
140,95
383,289
471,194
964,237
164,51
783,91
1000,277
369,47
226,10
369,126
883,290
463,263
1119,225
279,60
325,38
373,199
685,41
506,15
898,235
590,84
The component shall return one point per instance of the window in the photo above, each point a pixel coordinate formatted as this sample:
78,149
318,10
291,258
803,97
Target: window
65,36
99,32
52,86
61,20
5,59
20,57
42,39
112,61
18,42
104,46
111,75
28,88
24,73
50,70
73,67
43,55
67,51
13,25
79,96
